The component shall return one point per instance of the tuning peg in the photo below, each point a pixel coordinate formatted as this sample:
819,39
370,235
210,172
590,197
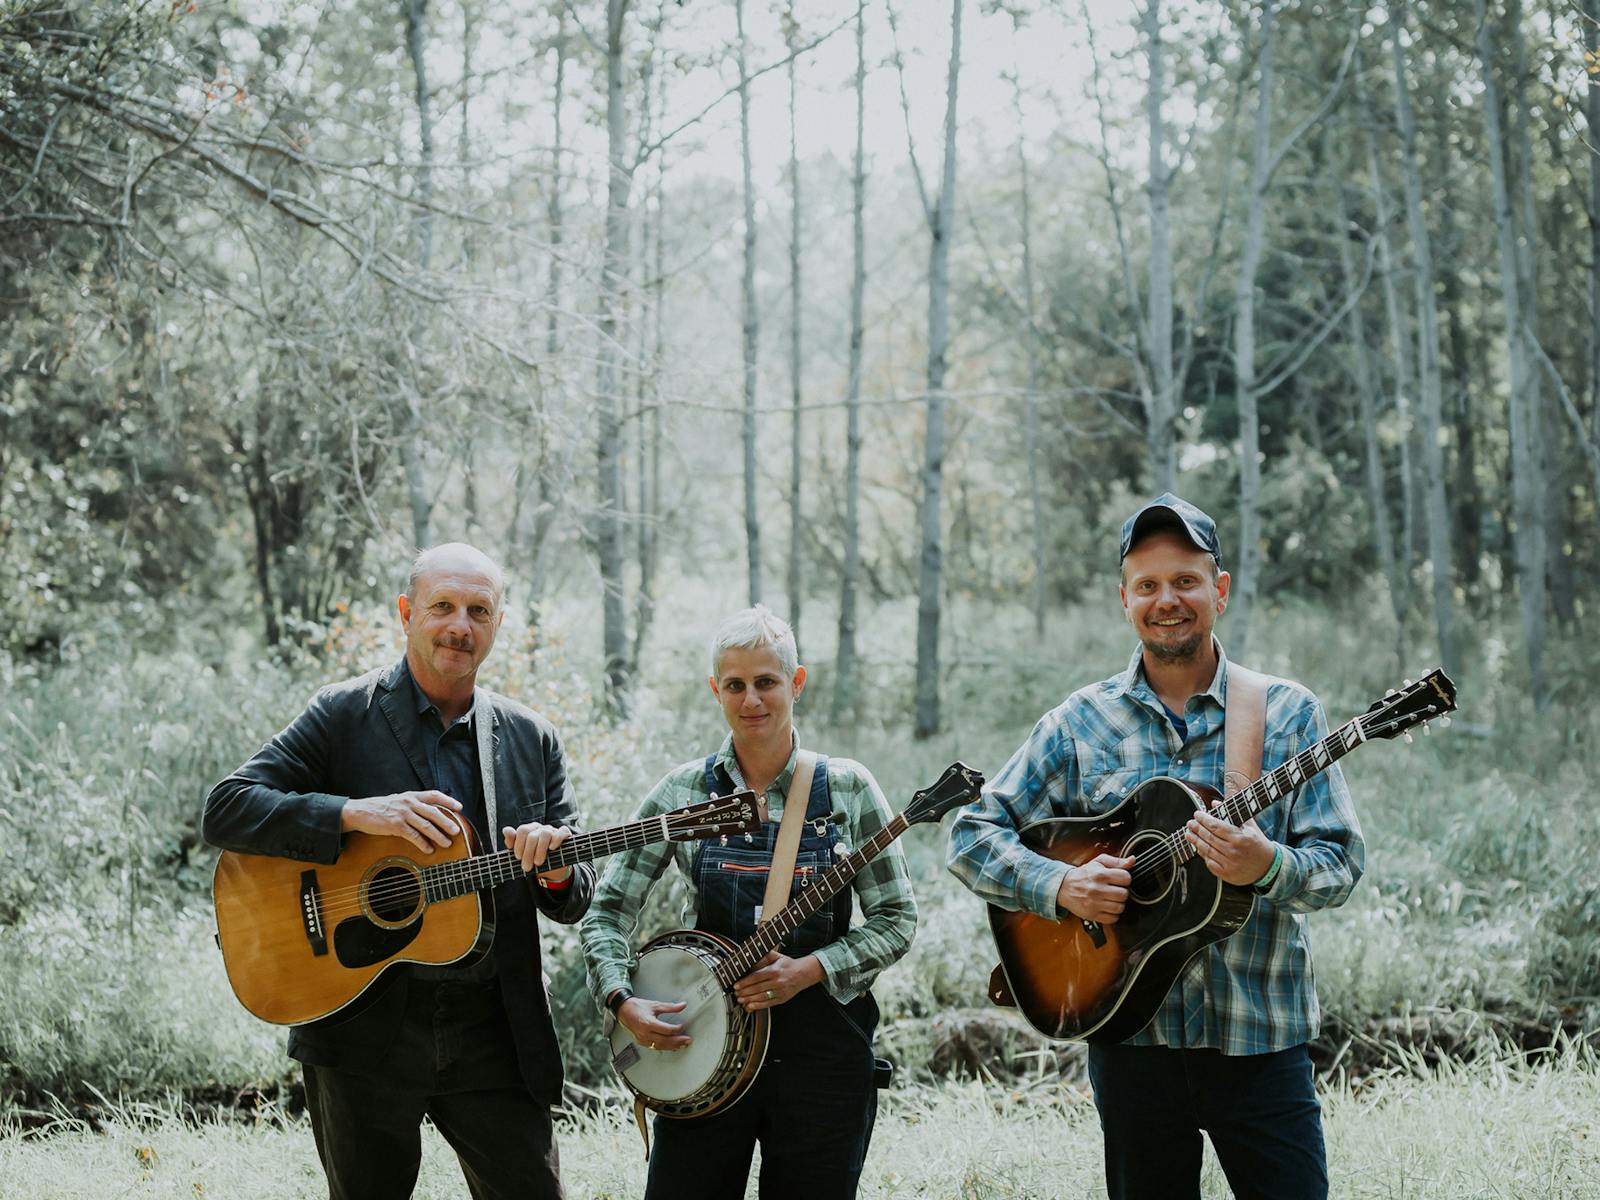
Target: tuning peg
1408,683
1444,722
1425,729
1407,736
1391,692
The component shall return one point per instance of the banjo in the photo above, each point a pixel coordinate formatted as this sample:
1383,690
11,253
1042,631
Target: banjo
700,969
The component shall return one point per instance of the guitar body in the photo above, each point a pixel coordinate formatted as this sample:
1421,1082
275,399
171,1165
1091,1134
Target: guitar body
1104,983
301,941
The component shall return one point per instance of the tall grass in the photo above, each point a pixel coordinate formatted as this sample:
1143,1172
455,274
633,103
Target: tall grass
1480,898
1498,1127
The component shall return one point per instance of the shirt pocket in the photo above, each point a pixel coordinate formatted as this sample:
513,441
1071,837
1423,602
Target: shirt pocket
1107,780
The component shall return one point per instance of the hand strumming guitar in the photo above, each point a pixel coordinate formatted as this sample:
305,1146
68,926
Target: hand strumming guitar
1097,890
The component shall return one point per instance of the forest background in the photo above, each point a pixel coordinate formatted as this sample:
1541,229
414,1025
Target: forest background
885,315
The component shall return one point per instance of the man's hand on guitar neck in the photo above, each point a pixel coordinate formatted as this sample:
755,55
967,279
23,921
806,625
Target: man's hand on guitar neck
425,819
1097,890
1238,854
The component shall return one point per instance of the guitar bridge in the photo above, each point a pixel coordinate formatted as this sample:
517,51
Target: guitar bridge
311,913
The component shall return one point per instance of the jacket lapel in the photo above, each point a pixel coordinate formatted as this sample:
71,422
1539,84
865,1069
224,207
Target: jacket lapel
399,707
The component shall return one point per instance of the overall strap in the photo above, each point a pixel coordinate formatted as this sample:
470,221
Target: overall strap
718,781
781,875
1244,728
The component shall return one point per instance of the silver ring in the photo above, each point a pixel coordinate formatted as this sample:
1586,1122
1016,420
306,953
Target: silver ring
769,994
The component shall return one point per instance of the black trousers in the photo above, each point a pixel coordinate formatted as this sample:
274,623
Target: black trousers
454,1062
812,1109
1260,1111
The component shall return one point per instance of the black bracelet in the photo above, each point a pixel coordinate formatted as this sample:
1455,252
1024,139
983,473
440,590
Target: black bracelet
617,999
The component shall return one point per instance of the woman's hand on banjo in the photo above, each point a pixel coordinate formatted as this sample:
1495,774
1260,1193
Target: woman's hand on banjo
642,1018
776,979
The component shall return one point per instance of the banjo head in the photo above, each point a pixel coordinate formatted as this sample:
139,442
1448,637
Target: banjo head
676,972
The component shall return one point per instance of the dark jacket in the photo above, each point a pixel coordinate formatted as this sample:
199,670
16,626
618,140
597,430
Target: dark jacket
362,738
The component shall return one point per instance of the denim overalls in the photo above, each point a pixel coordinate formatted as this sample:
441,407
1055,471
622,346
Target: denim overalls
813,1105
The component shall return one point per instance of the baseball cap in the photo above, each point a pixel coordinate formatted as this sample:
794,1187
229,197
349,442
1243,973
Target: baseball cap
1167,511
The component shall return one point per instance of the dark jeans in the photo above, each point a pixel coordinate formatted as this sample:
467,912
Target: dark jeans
453,1062
1260,1111
812,1109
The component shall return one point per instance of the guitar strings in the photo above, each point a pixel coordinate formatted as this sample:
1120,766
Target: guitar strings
485,866
1237,808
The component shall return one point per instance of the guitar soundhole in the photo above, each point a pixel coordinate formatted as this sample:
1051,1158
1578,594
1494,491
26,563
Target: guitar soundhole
392,893
1154,872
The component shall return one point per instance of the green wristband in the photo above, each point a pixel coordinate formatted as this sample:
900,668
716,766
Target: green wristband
1265,881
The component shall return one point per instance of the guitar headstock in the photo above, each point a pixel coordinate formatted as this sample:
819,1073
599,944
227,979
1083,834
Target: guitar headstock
959,785
716,817
1417,703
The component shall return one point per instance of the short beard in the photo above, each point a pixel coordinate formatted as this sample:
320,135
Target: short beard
1174,652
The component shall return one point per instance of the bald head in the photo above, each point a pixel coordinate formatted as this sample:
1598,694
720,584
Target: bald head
457,558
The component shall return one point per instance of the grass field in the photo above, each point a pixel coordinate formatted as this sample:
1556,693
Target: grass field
1497,1128
1477,924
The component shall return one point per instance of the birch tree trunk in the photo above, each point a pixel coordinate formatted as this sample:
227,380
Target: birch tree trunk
1382,537
1551,492
1438,514
845,661
1035,503
752,327
553,216
931,558
1591,15
1399,346
652,423
790,32
1160,434
1242,596
608,398
416,14
1525,464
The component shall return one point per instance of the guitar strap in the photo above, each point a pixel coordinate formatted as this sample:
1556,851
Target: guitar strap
483,719
1244,728
780,876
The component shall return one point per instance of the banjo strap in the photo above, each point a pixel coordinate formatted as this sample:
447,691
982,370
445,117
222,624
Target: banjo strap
780,876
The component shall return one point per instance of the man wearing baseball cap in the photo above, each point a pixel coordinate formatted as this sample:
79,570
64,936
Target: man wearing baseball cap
1225,1053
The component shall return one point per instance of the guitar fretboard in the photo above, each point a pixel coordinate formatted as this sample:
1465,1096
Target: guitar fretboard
446,881
1276,783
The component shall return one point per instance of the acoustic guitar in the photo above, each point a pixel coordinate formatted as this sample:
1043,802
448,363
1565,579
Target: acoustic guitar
1078,979
301,941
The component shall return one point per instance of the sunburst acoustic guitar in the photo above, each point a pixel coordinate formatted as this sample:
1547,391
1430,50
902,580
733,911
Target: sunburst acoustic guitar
1103,983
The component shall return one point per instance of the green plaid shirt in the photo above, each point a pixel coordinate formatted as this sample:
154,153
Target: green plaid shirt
1253,992
849,964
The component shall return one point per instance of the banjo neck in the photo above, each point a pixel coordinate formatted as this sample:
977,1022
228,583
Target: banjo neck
793,914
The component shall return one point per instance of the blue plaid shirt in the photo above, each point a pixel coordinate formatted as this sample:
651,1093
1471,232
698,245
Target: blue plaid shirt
1253,992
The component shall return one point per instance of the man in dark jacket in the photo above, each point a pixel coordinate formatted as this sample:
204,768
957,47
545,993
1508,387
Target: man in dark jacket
396,752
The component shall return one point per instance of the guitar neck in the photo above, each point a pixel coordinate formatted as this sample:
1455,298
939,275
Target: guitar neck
1284,778
446,881
793,914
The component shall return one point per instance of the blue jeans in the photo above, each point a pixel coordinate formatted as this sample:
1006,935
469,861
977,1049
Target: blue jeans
1260,1111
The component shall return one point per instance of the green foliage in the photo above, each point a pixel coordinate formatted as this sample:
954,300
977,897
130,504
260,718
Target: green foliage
1478,899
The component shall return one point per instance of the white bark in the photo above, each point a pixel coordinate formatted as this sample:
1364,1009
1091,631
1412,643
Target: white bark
931,559
751,322
1438,515
845,662
1525,464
